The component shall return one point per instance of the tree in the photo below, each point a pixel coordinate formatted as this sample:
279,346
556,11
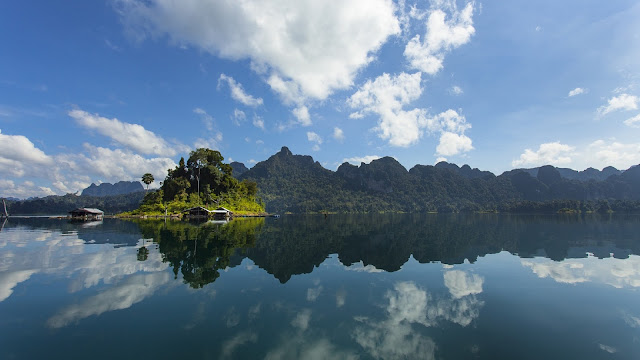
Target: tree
147,179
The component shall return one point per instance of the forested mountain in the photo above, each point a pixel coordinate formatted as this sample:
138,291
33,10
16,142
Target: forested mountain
61,205
585,175
238,168
298,184
119,188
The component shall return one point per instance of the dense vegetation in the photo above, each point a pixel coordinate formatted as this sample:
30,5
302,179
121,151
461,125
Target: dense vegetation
297,184
204,180
60,205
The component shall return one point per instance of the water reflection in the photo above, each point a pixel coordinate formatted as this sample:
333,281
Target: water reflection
379,287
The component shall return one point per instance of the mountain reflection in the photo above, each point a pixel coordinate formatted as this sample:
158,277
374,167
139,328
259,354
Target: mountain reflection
295,245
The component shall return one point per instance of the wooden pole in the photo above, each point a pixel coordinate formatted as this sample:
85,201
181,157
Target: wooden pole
6,214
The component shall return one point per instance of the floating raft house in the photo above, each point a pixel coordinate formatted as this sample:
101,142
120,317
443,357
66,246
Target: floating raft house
87,214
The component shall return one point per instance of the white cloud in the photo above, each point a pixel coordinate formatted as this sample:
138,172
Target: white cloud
319,45
258,122
338,134
387,96
461,284
238,93
633,122
133,136
314,138
238,117
621,102
111,165
9,280
601,153
302,114
442,35
229,346
357,160
314,293
133,290
8,188
206,118
456,90
538,29
302,319
18,154
553,153
453,144
576,91
619,273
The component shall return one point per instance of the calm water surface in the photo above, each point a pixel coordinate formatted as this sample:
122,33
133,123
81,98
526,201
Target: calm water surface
342,287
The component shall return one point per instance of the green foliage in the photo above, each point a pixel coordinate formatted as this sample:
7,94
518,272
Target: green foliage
296,184
147,179
61,205
204,180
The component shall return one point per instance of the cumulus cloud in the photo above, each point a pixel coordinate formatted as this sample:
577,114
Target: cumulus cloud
320,46
258,122
461,284
302,319
133,290
409,306
237,91
576,91
633,122
132,136
18,154
621,102
112,165
387,96
452,144
619,273
357,160
26,189
553,153
442,35
601,153
302,114
9,280
314,138
338,134
314,293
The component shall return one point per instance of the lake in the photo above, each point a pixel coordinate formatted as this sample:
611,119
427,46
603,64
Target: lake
310,287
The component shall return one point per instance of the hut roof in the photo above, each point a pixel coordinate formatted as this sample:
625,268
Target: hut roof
200,208
221,209
87,211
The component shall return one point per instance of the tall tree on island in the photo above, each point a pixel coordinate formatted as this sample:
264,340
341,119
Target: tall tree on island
147,179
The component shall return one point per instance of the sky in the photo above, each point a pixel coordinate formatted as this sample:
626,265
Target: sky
103,91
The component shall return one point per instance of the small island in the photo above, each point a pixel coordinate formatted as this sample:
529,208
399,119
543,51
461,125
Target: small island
203,181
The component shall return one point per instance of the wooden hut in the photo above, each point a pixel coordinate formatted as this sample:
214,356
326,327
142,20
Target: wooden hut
222,213
87,214
197,212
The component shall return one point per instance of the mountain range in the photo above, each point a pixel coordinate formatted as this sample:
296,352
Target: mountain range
298,184
107,189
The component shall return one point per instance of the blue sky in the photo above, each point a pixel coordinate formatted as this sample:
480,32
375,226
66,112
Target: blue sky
102,91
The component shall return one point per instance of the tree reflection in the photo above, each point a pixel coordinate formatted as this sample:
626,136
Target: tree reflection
200,250
297,244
